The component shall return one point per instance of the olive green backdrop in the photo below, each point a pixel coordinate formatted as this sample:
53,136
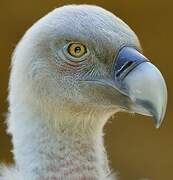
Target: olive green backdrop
136,149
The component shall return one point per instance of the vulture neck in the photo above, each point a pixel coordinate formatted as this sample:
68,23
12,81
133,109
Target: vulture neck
42,151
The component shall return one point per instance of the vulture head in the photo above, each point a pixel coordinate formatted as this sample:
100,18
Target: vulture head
83,61
76,67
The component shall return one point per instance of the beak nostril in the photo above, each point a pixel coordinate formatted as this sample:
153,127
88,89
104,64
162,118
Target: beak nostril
125,61
124,67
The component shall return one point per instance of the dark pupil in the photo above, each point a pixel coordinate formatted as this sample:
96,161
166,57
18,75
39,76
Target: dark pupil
77,49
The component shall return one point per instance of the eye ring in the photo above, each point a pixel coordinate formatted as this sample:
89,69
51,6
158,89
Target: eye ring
76,49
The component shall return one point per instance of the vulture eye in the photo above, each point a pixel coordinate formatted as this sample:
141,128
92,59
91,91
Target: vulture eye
76,50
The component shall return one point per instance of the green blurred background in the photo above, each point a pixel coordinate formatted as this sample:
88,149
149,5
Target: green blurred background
136,149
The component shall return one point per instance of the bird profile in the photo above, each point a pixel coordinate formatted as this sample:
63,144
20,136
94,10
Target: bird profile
72,70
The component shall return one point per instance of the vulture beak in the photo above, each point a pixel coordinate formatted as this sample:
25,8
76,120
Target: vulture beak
142,82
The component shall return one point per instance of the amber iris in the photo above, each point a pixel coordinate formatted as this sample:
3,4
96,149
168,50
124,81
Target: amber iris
76,50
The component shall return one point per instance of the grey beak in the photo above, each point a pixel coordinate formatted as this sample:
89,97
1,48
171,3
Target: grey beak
142,82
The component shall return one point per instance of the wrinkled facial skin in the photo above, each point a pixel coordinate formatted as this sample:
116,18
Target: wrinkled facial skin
81,77
54,75
103,35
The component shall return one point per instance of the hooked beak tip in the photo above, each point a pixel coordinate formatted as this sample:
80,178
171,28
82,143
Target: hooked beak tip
143,83
158,118
158,122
